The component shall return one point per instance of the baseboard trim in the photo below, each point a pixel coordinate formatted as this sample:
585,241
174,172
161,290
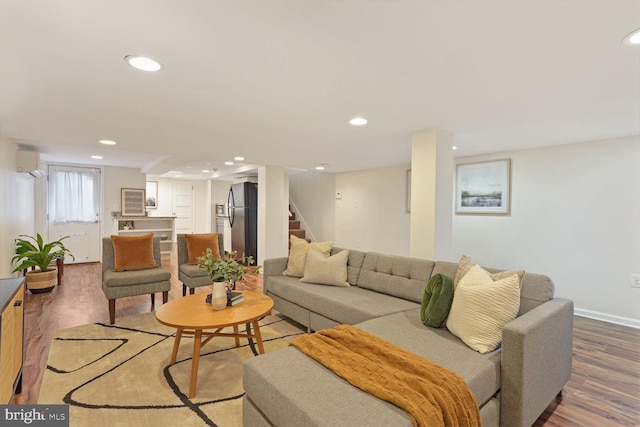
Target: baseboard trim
609,318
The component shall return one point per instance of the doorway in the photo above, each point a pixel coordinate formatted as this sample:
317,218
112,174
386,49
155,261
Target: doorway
74,210
183,205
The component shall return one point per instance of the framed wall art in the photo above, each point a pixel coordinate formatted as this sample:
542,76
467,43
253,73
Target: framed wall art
151,201
484,188
133,201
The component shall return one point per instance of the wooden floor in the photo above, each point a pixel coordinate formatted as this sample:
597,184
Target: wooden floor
604,389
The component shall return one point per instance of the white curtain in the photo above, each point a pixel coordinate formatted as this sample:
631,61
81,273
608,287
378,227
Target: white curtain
72,199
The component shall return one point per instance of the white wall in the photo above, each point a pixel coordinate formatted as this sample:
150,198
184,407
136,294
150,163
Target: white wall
575,216
17,207
165,197
273,223
114,179
313,193
219,192
202,207
372,214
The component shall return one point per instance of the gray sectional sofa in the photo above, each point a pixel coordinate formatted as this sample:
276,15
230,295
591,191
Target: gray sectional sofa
513,384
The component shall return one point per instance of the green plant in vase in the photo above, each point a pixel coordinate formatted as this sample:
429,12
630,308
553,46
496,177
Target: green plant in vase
229,269
32,252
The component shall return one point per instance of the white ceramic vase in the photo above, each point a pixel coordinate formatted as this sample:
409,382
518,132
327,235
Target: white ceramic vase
219,296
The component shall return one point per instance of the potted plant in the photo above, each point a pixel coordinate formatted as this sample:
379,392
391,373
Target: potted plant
229,269
34,253
225,272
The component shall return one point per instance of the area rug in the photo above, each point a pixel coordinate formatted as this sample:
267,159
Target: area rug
119,375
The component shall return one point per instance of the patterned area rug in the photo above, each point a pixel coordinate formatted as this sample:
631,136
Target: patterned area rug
118,375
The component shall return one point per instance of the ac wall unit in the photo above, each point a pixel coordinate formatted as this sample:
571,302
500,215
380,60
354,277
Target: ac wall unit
29,162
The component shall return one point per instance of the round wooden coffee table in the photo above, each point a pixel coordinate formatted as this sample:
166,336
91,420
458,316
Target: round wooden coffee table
191,315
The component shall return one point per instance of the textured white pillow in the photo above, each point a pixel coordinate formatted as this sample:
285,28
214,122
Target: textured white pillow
326,271
298,254
465,265
482,307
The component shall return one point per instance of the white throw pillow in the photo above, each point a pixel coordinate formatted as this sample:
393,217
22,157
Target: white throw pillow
298,254
465,265
482,307
326,271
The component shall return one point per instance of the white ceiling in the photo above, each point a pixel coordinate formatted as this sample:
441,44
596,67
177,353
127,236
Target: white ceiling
277,81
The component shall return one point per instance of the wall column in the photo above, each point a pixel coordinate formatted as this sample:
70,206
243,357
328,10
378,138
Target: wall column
432,195
273,213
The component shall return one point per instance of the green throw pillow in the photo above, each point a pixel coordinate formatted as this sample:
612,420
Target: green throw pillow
436,301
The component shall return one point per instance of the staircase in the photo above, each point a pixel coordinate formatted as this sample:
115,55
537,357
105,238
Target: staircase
294,227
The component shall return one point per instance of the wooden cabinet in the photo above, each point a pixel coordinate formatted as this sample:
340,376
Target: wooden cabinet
163,226
11,337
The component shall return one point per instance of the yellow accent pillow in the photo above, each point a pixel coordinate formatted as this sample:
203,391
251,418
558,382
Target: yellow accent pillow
197,245
133,252
298,254
326,271
482,307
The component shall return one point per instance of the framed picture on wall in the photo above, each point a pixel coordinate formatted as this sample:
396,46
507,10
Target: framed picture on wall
151,201
133,201
484,188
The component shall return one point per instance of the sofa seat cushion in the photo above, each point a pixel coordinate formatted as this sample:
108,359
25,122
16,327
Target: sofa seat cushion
348,305
138,277
291,389
480,371
192,271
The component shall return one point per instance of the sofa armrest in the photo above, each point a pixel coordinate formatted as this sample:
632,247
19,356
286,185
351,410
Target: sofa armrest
273,267
536,360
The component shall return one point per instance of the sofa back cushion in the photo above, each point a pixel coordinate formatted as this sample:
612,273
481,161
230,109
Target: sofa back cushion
399,276
354,264
535,289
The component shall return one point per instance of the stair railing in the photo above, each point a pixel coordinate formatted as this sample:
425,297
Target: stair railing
303,223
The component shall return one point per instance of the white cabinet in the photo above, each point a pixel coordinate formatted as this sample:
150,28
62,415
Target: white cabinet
163,226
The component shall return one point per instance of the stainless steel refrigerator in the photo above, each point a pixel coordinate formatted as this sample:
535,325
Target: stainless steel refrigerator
243,218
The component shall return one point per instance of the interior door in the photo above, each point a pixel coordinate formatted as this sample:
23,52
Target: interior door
74,210
183,206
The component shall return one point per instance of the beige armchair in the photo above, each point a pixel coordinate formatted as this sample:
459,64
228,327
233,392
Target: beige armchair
118,284
192,276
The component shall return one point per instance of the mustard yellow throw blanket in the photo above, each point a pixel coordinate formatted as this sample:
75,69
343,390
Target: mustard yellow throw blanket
430,394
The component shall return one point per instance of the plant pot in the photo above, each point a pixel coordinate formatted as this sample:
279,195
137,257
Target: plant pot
39,281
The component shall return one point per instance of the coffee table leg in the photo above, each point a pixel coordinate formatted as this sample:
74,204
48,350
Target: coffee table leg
256,329
176,344
235,331
194,363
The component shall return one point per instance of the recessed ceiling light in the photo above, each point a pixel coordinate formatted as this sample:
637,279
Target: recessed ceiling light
143,63
96,157
319,168
107,142
455,147
633,39
205,171
228,163
238,159
358,121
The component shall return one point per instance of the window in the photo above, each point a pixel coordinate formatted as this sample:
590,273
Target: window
73,195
